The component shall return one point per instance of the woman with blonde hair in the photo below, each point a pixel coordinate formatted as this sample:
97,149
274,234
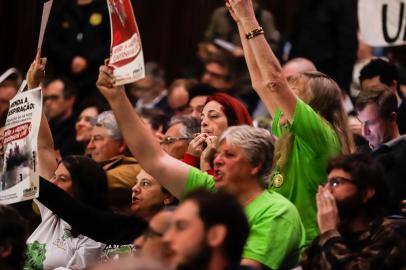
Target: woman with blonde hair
309,118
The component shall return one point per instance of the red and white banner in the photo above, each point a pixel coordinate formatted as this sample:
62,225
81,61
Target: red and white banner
382,22
19,178
126,56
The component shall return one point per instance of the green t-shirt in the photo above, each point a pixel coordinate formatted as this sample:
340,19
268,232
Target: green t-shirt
314,143
276,232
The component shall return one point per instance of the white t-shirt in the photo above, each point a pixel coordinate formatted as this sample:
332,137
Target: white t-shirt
51,245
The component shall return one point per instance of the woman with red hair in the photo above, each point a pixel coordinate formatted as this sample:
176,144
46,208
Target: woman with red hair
220,112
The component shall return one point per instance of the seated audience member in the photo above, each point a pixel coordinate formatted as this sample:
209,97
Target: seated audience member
380,72
58,98
208,231
354,232
150,244
107,147
244,158
179,134
83,126
117,231
178,95
309,119
376,107
219,72
13,234
150,91
219,112
156,120
56,243
197,98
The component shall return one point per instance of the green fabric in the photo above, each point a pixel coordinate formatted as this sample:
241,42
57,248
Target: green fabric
314,143
276,231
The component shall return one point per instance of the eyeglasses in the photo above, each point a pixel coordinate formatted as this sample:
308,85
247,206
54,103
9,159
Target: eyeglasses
151,233
50,97
171,140
337,181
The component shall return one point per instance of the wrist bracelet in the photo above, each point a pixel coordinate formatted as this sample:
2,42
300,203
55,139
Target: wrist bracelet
254,33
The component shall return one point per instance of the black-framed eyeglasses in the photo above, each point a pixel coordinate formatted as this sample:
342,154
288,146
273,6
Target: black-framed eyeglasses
171,140
337,181
151,233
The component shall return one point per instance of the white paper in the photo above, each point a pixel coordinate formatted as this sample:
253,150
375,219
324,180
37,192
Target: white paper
45,15
382,22
19,180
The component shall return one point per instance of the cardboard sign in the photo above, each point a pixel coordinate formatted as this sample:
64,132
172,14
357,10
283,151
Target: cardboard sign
19,180
126,56
382,22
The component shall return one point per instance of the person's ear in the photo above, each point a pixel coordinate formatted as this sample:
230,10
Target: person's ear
255,170
5,249
122,147
394,117
169,199
368,194
216,235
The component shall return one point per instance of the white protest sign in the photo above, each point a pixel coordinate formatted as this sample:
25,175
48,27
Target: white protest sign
19,180
382,22
126,55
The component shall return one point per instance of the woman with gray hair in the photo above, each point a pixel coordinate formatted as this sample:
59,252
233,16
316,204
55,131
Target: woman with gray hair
244,157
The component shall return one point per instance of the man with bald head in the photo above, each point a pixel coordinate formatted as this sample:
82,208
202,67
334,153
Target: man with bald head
292,67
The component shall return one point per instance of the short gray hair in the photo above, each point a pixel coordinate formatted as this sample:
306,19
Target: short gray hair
257,144
108,121
190,125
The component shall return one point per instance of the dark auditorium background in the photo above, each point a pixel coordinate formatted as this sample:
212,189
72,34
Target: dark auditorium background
170,29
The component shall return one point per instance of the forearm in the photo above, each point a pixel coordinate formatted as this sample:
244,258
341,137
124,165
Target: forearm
101,226
170,172
46,153
138,138
255,74
275,87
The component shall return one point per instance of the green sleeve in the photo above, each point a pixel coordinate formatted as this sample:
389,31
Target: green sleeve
198,179
274,242
313,130
276,126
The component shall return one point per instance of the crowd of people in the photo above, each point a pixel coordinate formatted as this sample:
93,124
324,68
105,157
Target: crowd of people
287,171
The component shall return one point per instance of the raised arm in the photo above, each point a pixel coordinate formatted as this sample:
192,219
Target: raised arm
257,81
267,77
46,153
170,172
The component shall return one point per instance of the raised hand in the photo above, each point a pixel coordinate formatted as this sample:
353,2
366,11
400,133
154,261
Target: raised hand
36,72
105,83
241,10
327,213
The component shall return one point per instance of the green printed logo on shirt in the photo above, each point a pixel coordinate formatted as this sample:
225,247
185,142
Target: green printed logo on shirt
35,256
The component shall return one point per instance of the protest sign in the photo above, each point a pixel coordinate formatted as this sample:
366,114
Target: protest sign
19,179
382,22
126,56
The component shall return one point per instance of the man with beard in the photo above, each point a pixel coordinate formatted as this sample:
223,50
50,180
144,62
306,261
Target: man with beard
208,231
354,232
